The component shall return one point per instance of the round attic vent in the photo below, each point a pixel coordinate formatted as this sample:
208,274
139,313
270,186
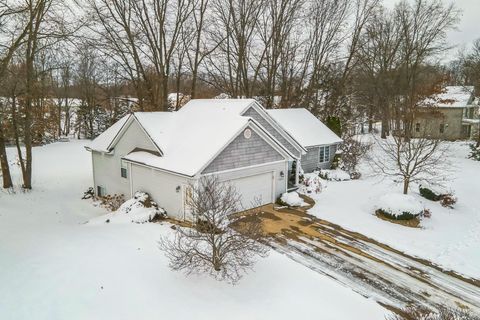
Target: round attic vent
247,133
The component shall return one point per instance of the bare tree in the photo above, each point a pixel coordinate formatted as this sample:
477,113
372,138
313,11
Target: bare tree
393,63
423,26
13,34
212,246
471,74
377,65
142,35
411,160
235,64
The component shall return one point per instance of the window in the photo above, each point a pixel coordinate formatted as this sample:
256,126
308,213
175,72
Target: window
101,191
123,169
417,127
442,127
324,154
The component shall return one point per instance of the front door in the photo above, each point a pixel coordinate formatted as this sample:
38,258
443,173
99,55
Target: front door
292,174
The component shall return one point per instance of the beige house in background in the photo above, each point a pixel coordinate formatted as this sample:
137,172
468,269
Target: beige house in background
450,115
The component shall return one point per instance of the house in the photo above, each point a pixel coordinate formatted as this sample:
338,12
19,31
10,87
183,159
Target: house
162,153
450,115
320,142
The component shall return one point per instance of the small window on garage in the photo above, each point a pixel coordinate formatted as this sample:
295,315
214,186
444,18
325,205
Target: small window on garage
442,127
417,127
101,191
324,154
123,169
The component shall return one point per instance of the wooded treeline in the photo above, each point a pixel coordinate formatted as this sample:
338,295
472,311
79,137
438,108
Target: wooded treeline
76,67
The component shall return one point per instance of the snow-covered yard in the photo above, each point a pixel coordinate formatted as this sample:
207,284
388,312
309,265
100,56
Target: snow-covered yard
54,266
450,238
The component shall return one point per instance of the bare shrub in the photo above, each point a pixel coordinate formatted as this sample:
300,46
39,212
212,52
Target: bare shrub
89,194
212,246
112,202
411,160
448,201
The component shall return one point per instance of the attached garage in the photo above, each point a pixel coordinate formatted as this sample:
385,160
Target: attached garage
256,190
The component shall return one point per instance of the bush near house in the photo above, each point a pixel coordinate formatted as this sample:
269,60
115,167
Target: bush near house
396,206
405,215
446,199
334,124
475,153
312,184
334,175
140,209
429,194
112,202
89,194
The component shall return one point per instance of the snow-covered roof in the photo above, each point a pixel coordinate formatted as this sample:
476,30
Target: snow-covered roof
234,106
102,142
187,139
451,97
302,125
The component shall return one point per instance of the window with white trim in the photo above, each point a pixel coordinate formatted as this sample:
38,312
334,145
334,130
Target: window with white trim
324,154
123,169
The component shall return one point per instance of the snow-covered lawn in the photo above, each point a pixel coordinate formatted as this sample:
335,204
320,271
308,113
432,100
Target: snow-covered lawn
450,238
54,266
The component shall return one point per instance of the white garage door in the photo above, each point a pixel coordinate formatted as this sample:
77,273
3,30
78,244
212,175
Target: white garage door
255,190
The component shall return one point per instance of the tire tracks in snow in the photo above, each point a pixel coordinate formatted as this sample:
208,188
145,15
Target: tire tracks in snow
374,270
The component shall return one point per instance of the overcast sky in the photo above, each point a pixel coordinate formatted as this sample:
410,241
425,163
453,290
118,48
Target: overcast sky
469,26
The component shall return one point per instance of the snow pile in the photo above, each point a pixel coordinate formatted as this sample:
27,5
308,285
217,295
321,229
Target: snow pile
139,209
397,204
312,183
335,175
292,199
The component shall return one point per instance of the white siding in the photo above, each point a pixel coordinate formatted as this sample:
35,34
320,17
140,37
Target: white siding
279,182
162,186
106,167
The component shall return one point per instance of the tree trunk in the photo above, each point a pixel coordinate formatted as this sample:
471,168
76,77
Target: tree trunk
406,183
384,128
478,137
59,123
7,178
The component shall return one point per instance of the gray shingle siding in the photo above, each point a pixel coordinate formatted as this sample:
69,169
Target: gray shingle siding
310,163
252,113
242,152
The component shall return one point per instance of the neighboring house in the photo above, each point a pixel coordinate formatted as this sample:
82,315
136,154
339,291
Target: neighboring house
450,115
162,153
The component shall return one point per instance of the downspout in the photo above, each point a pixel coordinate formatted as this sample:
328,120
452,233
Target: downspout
130,175
93,171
